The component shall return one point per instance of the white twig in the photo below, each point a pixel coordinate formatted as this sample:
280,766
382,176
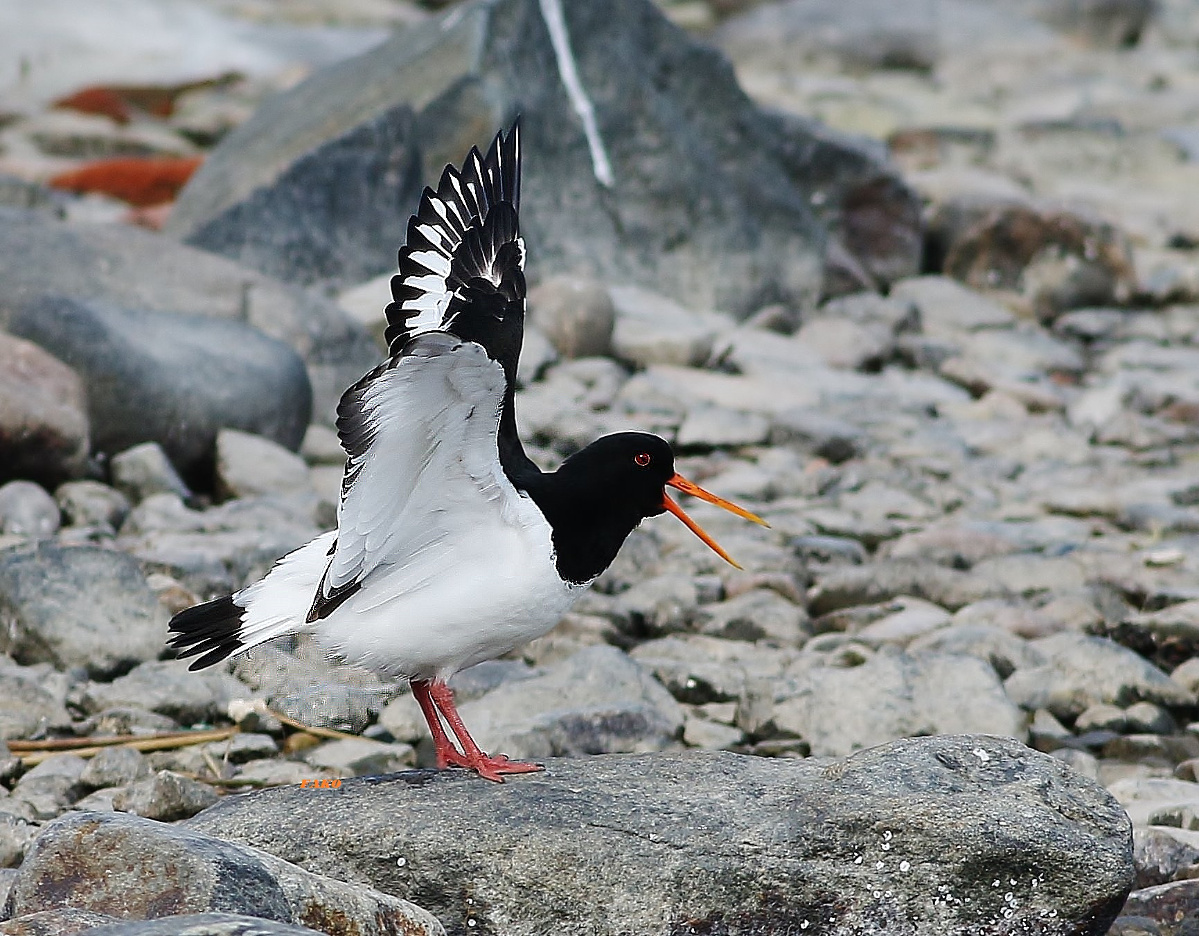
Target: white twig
555,21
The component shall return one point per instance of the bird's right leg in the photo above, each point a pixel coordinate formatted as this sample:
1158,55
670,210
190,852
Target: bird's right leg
447,754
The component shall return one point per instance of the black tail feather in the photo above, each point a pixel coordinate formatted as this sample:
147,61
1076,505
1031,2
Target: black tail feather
212,629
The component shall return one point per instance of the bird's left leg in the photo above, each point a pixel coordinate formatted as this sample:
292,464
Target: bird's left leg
490,767
447,754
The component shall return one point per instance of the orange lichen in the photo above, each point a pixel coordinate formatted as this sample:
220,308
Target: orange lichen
107,102
140,181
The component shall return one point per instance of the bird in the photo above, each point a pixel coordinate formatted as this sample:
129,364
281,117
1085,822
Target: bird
452,546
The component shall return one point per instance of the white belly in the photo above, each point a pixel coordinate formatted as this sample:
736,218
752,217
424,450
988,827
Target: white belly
499,591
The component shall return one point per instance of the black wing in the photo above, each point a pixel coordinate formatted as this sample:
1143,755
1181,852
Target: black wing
462,268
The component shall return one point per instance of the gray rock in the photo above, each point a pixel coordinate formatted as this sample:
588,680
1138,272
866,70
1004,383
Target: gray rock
1162,854
1103,23
1003,650
56,922
248,465
752,240
844,586
135,868
651,328
145,470
827,436
27,510
78,606
92,504
166,796
360,757
757,615
52,785
844,343
43,415
905,834
115,766
134,269
598,701
869,34
895,695
700,669
188,924
576,315
15,836
1081,671
659,605
948,308
171,379
169,689
34,700
709,427
310,687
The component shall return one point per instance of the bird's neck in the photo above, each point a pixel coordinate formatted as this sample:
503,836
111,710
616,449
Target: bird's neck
587,531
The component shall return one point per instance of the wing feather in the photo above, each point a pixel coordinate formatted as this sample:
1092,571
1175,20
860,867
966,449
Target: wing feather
445,251
420,435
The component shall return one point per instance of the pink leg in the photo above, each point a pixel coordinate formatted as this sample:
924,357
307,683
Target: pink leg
440,698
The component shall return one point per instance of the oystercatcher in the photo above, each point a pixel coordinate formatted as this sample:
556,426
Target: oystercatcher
451,546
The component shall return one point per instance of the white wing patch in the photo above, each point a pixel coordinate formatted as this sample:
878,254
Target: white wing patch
422,439
453,215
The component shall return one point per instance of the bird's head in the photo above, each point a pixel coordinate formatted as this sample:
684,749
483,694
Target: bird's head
629,473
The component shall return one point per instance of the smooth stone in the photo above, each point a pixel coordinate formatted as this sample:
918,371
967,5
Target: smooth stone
360,757
172,379
916,818
248,465
123,266
186,924
92,504
144,470
135,867
598,701
34,700
115,766
1080,671
576,315
168,688
27,510
78,606
166,797
43,414
840,709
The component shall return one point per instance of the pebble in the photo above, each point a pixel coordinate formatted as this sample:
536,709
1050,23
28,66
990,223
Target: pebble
166,796
249,465
27,510
145,470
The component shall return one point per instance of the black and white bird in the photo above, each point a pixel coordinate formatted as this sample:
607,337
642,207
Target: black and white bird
452,547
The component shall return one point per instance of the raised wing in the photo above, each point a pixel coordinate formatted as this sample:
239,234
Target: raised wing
420,432
462,268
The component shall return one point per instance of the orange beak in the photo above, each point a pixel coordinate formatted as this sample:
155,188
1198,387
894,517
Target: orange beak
682,484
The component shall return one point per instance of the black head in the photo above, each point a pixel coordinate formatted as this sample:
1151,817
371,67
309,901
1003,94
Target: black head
600,494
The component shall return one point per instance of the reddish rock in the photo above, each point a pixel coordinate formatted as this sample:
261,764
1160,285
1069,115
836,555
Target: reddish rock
140,181
105,102
1056,259
43,415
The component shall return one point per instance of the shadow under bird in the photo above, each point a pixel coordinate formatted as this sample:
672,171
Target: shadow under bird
451,546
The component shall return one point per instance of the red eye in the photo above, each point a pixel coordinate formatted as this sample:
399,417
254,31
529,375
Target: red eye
642,459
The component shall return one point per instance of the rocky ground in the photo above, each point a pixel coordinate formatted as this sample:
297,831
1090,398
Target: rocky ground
946,341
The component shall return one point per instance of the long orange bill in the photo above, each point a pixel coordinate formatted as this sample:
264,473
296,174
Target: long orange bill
687,487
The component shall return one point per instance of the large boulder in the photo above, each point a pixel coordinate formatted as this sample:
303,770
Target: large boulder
950,835
134,269
138,869
172,379
673,179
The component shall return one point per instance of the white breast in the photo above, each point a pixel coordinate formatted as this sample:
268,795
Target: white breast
474,598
